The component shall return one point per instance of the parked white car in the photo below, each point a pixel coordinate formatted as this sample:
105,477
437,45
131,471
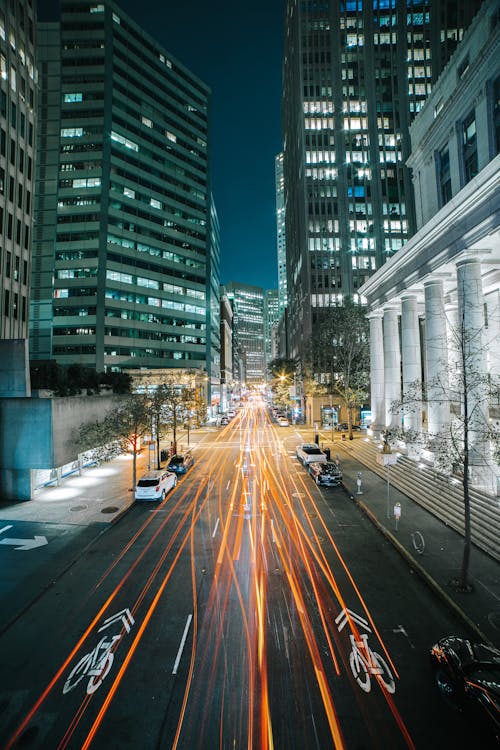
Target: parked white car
154,485
309,453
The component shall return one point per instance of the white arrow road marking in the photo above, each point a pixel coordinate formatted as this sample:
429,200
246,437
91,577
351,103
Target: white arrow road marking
26,544
125,616
5,528
342,619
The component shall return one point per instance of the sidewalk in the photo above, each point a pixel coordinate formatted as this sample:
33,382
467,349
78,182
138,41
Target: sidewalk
99,495
441,559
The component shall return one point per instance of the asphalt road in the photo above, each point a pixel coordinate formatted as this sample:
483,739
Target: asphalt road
250,609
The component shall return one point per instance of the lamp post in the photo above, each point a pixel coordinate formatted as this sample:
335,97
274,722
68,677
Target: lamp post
387,459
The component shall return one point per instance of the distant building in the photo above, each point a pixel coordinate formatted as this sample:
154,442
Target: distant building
247,303
281,232
226,350
271,320
18,126
126,255
354,76
447,277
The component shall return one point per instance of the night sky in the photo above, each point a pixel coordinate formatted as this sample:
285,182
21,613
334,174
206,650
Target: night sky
236,49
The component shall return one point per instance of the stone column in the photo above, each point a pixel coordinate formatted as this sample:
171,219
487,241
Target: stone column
377,372
472,326
493,332
410,354
392,366
454,356
438,408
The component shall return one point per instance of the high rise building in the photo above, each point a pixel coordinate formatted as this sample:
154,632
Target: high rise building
18,81
280,231
355,74
126,255
247,303
271,320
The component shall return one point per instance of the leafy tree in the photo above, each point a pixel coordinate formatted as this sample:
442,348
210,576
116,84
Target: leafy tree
283,373
463,444
125,426
73,379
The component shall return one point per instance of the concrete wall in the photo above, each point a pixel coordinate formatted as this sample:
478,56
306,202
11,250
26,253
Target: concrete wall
68,414
14,368
41,433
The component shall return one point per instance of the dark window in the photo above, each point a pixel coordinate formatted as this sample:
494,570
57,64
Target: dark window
6,303
444,176
496,113
8,264
9,227
11,189
469,147
12,151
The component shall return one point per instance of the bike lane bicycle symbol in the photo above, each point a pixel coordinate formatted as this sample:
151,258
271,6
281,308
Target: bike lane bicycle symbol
364,662
97,664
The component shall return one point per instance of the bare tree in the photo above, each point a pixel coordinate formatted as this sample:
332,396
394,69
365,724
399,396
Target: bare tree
467,444
340,352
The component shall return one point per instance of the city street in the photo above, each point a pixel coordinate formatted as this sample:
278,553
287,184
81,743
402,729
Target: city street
249,609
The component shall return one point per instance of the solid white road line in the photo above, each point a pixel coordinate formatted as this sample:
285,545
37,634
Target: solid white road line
182,644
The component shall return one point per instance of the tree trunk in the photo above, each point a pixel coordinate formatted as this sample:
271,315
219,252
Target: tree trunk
464,575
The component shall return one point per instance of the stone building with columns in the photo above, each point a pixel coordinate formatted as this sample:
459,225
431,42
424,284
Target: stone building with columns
446,279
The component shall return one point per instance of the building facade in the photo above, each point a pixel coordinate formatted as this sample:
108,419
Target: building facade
354,76
247,303
271,320
18,96
435,307
280,231
126,256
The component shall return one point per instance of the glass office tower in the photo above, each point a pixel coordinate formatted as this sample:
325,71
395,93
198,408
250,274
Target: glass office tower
124,255
247,303
355,74
18,88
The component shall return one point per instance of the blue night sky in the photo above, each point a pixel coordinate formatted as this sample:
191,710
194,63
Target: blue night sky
236,49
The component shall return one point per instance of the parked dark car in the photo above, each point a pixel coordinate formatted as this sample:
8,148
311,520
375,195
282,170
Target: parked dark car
342,427
468,677
327,473
180,464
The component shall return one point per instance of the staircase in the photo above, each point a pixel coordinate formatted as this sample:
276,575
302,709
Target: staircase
440,495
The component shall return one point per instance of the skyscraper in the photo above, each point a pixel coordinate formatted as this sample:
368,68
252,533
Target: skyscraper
247,303
271,320
355,74
18,76
280,231
126,256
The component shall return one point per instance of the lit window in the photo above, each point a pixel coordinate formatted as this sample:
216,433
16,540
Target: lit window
155,203
146,121
71,132
73,98
124,141
97,8
129,192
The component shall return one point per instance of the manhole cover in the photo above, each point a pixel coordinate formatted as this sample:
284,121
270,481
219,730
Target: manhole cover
494,619
76,508
110,509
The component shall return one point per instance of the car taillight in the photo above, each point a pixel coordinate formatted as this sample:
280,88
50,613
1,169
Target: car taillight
157,488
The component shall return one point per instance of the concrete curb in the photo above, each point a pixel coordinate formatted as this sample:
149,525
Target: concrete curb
424,575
